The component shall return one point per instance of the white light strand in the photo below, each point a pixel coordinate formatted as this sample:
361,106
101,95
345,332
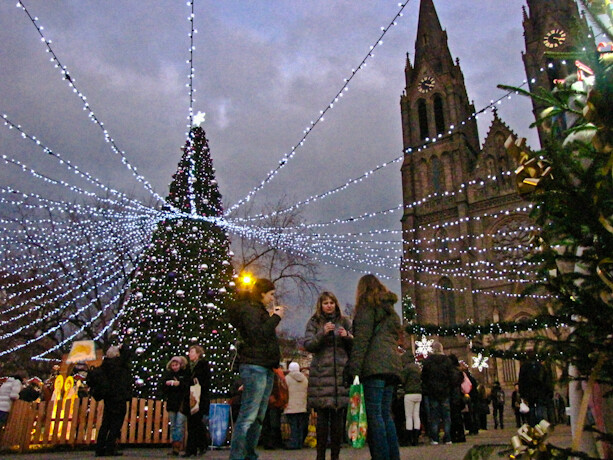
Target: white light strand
86,107
288,156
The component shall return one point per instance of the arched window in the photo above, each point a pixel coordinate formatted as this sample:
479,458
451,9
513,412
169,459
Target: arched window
437,175
441,243
423,185
439,117
422,112
446,302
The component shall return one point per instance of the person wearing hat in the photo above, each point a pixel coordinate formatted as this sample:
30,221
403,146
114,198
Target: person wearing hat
175,385
296,410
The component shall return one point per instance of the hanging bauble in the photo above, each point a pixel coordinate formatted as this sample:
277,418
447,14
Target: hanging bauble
138,295
139,350
179,223
168,228
114,333
225,262
211,305
177,199
213,182
205,201
194,339
129,331
180,293
214,331
153,279
194,229
203,266
174,252
231,284
211,241
230,253
139,382
159,311
222,290
171,275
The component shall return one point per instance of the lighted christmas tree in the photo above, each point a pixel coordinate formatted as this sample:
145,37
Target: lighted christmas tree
184,280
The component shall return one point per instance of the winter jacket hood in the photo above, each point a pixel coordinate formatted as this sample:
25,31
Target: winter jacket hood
376,330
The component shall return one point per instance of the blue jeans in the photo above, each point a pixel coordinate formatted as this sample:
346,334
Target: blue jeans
439,411
382,438
257,386
297,426
177,425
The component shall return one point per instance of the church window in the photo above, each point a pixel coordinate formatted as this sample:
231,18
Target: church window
422,112
442,244
439,117
437,175
446,303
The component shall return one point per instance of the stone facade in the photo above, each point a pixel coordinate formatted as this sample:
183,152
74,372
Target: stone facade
465,227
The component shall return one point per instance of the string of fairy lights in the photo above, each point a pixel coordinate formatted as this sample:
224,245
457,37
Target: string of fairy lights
133,224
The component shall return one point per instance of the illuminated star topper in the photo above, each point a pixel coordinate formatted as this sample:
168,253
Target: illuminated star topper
424,346
480,362
199,118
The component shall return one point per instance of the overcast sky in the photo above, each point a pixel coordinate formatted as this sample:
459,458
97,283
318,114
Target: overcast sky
264,70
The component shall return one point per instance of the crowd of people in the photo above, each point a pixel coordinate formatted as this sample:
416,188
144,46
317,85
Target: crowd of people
405,400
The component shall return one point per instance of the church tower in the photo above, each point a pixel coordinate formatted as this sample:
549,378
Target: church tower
435,113
551,26
465,227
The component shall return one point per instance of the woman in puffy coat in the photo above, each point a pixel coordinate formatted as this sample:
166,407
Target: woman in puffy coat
175,385
376,360
9,392
327,336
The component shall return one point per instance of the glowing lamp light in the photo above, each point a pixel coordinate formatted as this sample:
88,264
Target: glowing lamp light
246,279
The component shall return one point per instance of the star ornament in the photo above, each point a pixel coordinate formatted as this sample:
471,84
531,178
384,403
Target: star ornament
424,346
199,118
480,362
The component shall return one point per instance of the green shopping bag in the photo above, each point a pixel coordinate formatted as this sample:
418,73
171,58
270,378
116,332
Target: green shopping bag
356,415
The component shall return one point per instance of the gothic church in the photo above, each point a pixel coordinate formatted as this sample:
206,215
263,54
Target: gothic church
465,227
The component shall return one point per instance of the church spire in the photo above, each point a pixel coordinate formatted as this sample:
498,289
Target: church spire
431,42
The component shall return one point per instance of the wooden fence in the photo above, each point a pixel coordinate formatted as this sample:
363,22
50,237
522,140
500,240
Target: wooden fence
75,422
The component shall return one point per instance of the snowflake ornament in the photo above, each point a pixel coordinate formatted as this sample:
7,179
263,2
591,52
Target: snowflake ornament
199,118
424,346
480,362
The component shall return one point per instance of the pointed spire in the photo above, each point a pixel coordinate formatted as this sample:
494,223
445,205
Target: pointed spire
431,41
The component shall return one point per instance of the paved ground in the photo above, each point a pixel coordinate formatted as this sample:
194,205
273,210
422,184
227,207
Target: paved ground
561,437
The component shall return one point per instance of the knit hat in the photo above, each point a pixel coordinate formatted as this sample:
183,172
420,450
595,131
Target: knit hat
294,367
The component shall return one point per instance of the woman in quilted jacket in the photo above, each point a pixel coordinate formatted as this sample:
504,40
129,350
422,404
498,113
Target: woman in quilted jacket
327,336
376,360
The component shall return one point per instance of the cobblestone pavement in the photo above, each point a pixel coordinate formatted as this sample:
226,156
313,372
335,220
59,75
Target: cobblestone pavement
561,437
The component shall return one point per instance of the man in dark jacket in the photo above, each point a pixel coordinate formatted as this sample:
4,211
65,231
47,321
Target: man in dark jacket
436,377
258,354
117,372
534,388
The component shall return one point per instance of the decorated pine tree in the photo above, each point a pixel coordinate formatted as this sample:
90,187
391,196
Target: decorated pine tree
184,281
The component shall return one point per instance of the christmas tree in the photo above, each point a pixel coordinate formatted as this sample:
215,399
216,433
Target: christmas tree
184,280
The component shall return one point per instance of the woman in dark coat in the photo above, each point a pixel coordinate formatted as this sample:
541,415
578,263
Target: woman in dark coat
327,336
197,423
175,386
376,360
